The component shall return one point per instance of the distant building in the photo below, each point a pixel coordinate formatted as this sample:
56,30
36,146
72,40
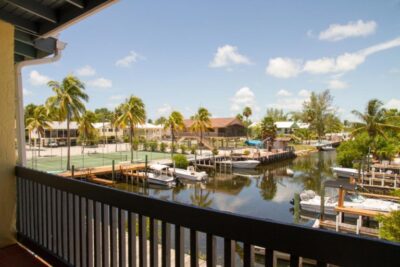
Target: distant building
57,133
148,130
286,127
220,127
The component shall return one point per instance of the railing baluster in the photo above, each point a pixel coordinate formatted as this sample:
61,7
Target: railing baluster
80,243
96,237
211,250
294,261
36,212
54,219
269,257
73,244
131,239
29,205
89,232
41,220
121,238
105,234
166,245
113,238
248,257
142,241
69,232
153,242
194,248
229,252
64,220
179,246
59,222
49,219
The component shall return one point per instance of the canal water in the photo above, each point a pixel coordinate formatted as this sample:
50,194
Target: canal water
266,192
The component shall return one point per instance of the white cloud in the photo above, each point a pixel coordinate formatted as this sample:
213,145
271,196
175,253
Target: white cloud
337,32
117,97
128,60
164,110
100,83
304,93
292,103
227,56
26,92
283,92
286,67
86,71
244,97
393,104
283,67
37,79
337,84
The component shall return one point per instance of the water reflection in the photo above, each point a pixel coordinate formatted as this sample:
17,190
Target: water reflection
265,192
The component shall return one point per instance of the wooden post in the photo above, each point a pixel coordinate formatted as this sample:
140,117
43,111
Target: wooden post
113,171
73,171
341,197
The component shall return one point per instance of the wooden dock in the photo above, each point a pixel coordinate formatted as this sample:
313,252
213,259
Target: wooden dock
103,170
380,180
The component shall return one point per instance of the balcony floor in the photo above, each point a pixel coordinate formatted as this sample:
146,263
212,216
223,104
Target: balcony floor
17,256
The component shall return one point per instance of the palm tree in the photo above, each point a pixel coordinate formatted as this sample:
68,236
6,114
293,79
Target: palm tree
39,121
247,112
174,123
114,123
68,103
86,128
373,120
201,123
132,114
268,131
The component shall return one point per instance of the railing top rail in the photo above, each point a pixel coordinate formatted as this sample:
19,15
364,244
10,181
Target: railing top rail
297,240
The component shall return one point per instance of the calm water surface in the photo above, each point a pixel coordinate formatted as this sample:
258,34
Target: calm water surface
265,192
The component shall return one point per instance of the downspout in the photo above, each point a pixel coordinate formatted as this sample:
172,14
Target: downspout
21,161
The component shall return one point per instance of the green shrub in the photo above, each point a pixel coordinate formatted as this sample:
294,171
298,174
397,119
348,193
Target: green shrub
215,151
145,145
163,147
183,148
153,146
246,152
390,226
180,161
193,149
135,144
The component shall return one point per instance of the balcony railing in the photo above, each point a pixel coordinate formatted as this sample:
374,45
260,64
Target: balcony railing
82,224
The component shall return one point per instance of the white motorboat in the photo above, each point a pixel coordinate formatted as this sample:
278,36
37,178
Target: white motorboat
242,164
309,201
159,175
345,172
189,174
327,148
289,172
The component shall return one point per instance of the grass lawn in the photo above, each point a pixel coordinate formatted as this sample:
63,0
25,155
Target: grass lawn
58,164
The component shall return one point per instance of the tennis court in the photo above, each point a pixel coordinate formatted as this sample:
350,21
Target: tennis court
58,163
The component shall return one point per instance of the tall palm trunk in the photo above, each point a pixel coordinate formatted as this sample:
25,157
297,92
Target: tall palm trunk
131,140
68,143
172,142
201,142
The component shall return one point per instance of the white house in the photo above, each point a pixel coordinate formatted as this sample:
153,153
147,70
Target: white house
57,133
286,127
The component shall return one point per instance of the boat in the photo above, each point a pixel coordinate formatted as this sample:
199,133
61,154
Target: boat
311,202
242,164
190,174
327,148
289,172
345,172
159,175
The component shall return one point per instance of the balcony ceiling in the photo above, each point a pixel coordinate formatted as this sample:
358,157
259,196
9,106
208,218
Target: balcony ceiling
36,21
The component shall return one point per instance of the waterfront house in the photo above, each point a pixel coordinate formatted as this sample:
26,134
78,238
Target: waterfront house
286,127
220,127
56,134
68,222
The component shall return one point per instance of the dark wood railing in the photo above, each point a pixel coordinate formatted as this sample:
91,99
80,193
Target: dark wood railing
79,223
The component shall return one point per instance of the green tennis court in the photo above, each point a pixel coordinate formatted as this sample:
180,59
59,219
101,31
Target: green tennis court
58,164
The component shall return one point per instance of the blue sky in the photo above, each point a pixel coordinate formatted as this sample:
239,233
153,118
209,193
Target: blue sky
224,55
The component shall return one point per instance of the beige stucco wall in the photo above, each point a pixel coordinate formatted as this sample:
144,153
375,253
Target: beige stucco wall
7,136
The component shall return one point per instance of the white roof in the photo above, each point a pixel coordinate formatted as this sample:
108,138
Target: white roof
149,126
62,125
285,124
158,167
254,124
99,125
303,125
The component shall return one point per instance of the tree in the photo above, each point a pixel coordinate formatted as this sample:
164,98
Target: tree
87,132
390,226
373,120
28,113
354,150
276,114
174,123
103,114
319,113
39,121
267,131
201,123
160,121
67,102
247,112
114,123
132,113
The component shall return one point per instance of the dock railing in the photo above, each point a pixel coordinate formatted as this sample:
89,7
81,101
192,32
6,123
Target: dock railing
82,224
